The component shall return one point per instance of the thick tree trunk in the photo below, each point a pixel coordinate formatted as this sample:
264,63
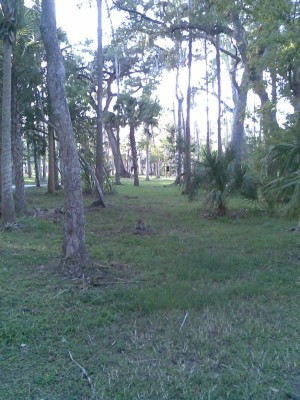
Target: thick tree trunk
7,204
238,133
115,148
134,156
74,247
269,121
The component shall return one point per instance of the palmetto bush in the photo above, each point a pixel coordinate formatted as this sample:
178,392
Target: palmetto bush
284,189
221,176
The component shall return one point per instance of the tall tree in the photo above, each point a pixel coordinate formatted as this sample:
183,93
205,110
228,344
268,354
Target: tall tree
187,143
99,138
127,108
74,247
7,30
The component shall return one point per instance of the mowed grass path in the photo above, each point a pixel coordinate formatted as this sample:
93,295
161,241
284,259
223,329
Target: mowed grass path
192,307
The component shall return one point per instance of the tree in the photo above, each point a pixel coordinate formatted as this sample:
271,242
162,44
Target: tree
7,30
128,114
74,247
100,62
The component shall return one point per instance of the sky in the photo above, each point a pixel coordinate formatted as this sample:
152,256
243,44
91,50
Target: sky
79,23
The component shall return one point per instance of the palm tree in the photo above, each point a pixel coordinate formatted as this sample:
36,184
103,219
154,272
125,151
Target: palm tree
7,30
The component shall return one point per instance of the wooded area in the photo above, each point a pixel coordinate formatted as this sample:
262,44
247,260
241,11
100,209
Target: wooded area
162,225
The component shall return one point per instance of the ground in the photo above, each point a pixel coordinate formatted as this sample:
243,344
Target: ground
187,305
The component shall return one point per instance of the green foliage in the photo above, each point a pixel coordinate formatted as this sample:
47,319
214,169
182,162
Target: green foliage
284,159
221,177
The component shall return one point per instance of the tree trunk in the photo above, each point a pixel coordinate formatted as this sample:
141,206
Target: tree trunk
51,160
147,155
187,148
74,247
218,62
99,136
238,133
17,146
28,158
241,92
134,156
207,98
7,204
36,165
179,143
115,148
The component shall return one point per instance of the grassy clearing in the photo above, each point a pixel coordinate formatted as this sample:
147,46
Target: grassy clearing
194,307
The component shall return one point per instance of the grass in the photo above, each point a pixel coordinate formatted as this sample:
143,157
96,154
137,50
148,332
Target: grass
195,307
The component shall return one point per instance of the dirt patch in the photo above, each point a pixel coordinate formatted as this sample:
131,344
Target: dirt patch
92,274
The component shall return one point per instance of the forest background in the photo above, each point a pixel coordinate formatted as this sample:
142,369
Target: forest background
114,285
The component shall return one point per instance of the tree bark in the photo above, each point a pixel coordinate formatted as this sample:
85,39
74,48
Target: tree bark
241,92
207,98
187,145
179,139
218,62
115,148
17,146
147,155
51,161
238,132
99,136
7,204
74,247
134,155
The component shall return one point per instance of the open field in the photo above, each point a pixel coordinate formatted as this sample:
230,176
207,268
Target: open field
192,307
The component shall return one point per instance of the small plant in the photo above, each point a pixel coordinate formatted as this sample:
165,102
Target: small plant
221,176
10,226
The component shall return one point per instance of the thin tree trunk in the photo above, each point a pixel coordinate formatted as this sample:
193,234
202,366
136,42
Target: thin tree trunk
187,159
36,165
207,97
28,158
147,155
74,247
179,141
218,62
99,140
134,156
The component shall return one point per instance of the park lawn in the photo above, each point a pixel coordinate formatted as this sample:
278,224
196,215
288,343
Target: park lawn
192,307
